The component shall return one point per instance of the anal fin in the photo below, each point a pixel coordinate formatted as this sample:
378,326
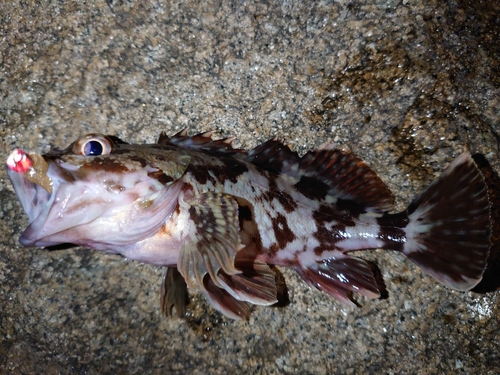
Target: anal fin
340,276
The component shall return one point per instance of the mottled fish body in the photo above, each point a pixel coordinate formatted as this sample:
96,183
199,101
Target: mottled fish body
219,218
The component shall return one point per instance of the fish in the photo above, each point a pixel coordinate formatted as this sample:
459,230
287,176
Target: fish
221,219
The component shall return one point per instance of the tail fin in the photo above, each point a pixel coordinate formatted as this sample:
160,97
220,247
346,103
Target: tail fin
448,234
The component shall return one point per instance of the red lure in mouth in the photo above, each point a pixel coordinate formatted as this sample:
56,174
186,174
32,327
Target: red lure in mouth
19,161
33,168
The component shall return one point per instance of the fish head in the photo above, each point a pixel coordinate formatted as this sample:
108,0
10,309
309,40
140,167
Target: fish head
99,192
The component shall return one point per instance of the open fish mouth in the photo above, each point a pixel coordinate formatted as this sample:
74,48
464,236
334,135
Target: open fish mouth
54,204
32,196
79,200
36,191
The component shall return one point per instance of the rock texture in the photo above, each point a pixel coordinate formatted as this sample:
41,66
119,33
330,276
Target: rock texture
405,85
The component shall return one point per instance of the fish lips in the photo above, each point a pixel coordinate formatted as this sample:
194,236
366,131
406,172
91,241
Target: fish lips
37,203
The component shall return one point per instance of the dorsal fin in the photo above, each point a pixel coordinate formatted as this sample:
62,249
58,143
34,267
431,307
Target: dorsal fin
333,176
200,142
273,156
349,182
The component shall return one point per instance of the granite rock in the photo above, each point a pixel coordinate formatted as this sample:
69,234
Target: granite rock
405,85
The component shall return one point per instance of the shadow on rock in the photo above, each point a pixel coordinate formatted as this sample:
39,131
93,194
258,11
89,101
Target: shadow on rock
491,278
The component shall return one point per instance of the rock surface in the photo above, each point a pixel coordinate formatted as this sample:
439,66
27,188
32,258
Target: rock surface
406,86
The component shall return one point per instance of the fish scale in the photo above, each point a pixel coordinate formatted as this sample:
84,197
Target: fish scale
219,219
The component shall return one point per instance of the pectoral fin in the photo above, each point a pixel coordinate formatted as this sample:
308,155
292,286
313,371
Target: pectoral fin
207,260
213,239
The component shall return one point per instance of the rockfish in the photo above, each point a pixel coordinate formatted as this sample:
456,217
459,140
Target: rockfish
220,218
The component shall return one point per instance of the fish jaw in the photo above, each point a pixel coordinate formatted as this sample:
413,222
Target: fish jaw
102,210
33,198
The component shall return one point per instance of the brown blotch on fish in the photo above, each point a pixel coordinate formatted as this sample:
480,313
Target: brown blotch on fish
350,207
249,231
201,174
392,230
312,188
394,237
328,237
161,177
329,213
282,231
228,170
273,156
286,201
283,197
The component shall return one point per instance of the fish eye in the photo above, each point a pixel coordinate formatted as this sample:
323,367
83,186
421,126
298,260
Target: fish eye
92,145
92,148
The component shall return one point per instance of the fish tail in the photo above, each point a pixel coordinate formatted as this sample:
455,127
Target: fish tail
449,226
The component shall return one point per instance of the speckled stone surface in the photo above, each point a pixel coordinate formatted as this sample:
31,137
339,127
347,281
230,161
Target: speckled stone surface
406,86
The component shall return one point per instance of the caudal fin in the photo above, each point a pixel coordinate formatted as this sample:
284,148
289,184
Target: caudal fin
448,234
